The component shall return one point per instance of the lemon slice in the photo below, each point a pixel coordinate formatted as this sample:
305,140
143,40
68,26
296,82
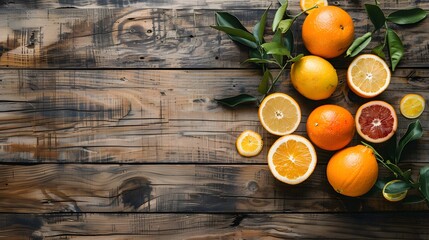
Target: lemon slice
394,197
292,159
412,105
279,114
306,4
249,143
368,75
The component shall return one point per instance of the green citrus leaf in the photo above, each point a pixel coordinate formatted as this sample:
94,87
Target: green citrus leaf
260,61
239,35
414,132
394,168
283,2
279,38
279,15
378,50
237,100
265,82
258,30
285,24
397,187
375,15
225,19
276,49
407,16
288,42
424,181
396,49
296,58
359,44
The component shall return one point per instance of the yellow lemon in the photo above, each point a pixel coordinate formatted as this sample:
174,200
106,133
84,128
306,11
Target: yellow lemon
249,143
314,77
412,105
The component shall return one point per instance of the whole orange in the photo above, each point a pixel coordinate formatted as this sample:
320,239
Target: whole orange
353,171
328,31
330,127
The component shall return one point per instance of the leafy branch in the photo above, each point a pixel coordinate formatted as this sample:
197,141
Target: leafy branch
406,182
276,53
391,39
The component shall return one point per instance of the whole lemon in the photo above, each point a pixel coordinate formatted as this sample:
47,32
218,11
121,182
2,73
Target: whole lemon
314,77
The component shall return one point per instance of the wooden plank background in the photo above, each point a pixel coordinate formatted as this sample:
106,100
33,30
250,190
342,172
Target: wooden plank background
109,128
148,38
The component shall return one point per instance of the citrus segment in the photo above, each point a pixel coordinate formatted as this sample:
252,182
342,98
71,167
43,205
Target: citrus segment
376,121
394,197
412,105
314,77
368,75
279,114
330,127
353,171
327,31
292,159
249,143
306,4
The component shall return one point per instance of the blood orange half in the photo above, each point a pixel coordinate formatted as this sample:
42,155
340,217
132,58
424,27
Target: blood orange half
376,121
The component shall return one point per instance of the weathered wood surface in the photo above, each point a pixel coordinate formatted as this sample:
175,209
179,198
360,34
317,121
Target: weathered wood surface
172,4
154,188
154,116
215,226
150,38
109,128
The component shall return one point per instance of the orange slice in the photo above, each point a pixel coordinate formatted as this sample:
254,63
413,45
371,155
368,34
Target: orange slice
376,121
249,143
279,114
306,4
368,75
412,105
292,159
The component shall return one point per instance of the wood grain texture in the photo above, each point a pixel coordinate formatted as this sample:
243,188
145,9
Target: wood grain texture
155,116
151,38
218,226
210,4
155,188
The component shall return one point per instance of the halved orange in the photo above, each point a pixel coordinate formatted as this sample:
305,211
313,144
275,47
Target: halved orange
292,159
306,4
412,105
376,121
279,114
249,143
368,75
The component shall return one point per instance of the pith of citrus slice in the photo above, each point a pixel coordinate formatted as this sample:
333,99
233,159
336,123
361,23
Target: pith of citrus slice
249,143
306,4
292,159
412,105
394,197
368,75
279,114
376,121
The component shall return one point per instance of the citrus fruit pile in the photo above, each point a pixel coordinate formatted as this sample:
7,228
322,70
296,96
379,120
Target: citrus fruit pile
352,170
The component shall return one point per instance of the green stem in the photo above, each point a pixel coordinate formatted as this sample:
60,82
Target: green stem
306,10
274,82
